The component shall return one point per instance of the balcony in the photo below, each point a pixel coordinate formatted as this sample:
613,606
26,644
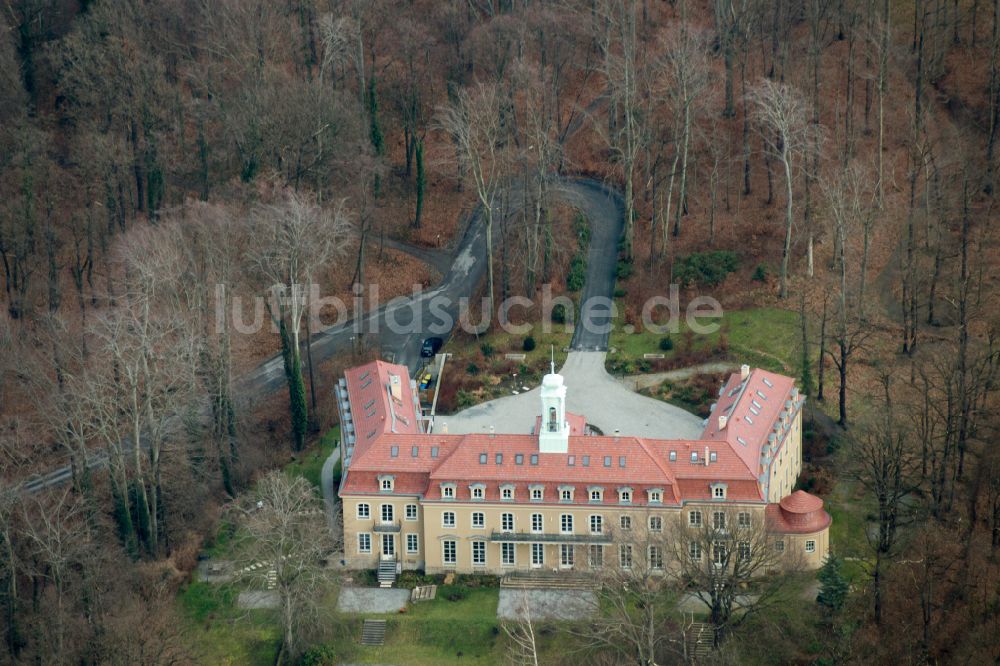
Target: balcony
537,537
386,526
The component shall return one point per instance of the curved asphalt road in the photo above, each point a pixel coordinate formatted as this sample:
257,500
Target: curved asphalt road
402,324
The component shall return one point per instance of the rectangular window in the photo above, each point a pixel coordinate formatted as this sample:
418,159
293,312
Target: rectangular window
673,456
595,495
779,546
536,522
566,495
655,557
743,519
743,551
387,513
655,524
411,511
498,458
450,556
478,553
519,459
364,511
571,461
719,492
477,493
448,492
412,543
415,451
586,461
483,458
625,522
625,556
596,556
364,543
719,552
694,518
566,523
719,520
534,458
478,520
810,546
625,496
394,451
596,524
434,451
621,461
694,550
655,496
448,519
507,522
386,484
507,493
507,554
537,554
566,552
536,494
607,461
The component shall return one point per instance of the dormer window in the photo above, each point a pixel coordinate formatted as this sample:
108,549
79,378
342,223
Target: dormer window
718,491
386,482
655,496
625,495
596,494
565,493
448,490
673,456
537,493
507,492
694,456
478,491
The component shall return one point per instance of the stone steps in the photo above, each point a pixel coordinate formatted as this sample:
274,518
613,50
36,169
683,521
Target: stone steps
548,580
386,573
373,632
701,640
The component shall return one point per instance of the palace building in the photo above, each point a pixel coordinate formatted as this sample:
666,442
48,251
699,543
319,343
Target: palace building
563,497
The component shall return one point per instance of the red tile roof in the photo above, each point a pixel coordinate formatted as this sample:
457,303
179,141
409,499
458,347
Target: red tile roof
798,513
389,441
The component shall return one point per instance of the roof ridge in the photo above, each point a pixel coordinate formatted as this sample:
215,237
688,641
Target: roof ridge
656,461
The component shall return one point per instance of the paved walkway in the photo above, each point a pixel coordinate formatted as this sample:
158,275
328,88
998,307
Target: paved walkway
372,600
592,392
546,604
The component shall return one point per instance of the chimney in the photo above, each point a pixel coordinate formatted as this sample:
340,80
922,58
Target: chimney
744,371
617,433
723,420
706,456
493,431
395,388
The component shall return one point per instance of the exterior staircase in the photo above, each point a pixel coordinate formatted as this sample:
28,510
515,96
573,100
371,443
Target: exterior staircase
373,632
548,580
386,573
700,640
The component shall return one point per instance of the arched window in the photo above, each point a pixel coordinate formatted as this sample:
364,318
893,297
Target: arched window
552,419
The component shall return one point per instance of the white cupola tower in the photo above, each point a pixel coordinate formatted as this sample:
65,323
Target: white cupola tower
553,435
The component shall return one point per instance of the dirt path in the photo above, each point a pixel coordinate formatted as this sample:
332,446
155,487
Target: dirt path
639,382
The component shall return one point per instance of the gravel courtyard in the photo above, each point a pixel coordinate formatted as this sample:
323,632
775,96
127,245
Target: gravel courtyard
592,392
546,604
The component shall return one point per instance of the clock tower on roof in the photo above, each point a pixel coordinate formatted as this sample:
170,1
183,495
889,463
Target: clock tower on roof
553,435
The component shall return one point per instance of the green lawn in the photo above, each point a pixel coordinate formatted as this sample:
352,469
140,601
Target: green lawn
763,337
220,633
309,463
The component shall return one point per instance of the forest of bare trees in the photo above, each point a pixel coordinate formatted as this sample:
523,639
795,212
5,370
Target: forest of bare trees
161,162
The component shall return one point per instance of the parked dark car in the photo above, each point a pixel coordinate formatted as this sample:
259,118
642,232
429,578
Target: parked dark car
430,347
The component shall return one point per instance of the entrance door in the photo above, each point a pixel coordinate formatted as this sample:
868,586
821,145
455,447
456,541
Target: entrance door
537,555
388,546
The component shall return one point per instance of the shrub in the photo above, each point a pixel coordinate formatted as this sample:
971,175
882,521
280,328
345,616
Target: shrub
529,344
577,275
487,349
453,592
624,269
465,399
472,369
582,230
760,273
559,313
320,655
620,293
705,268
666,344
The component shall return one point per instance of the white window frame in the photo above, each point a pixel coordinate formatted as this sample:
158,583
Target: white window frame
479,546
366,512
566,520
625,521
537,555
567,555
810,545
454,551
655,557
448,490
625,495
719,520
481,522
743,519
595,562
779,546
595,494
694,551
655,523
508,548
385,483
625,559
412,542
362,537
391,513
444,519
407,514
540,521
566,493
537,493
596,521
477,491
507,492
743,551
718,491
694,518
506,518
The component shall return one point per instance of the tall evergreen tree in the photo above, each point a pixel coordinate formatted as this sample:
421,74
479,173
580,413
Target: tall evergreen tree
833,586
